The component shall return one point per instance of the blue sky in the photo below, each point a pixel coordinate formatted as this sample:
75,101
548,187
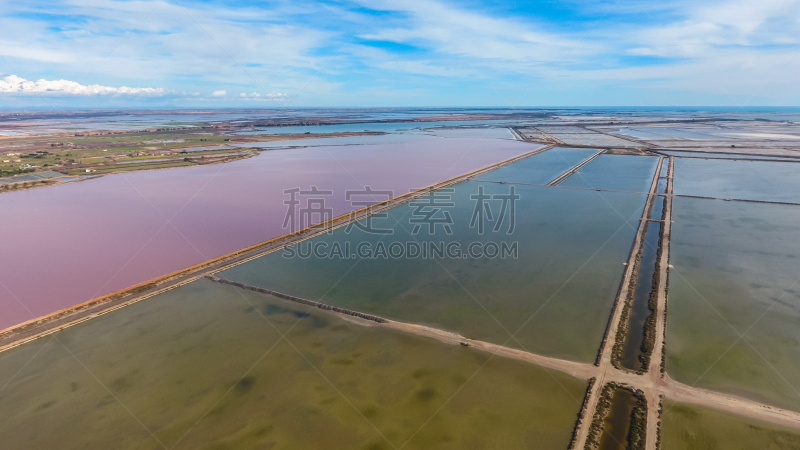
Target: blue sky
143,53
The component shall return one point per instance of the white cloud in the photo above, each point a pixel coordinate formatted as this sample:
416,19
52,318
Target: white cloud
461,32
272,96
13,84
220,93
727,25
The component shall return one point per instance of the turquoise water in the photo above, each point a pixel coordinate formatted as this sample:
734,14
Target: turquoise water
615,172
554,298
541,168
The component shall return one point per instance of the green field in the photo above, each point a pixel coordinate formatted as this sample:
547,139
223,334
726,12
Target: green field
204,366
689,427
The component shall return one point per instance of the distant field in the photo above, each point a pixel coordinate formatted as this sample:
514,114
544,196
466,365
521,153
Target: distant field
92,148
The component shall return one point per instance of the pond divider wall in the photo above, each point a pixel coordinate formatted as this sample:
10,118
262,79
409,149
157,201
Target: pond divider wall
600,413
304,301
582,413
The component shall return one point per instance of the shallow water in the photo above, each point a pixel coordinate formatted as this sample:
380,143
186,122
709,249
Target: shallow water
79,240
554,298
615,172
685,154
204,366
748,180
640,308
736,265
541,168
662,133
618,421
593,139
409,138
479,133
690,427
356,127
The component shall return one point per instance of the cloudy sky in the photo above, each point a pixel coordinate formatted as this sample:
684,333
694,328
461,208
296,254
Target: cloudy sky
143,53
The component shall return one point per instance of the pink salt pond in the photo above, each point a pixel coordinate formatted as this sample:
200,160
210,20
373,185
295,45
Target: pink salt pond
67,244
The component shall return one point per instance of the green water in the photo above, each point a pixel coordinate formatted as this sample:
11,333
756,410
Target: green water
615,172
541,168
736,270
689,427
204,366
749,180
555,298
618,421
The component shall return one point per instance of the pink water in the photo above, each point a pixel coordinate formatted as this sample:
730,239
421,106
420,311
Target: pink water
67,244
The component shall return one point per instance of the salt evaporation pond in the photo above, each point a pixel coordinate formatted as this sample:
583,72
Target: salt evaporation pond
408,137
747,180
691,427
615,172
554,298
735,273
540,169
77,241
386,127
204,366
702,154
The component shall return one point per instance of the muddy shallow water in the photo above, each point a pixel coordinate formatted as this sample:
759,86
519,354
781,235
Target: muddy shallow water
205,366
